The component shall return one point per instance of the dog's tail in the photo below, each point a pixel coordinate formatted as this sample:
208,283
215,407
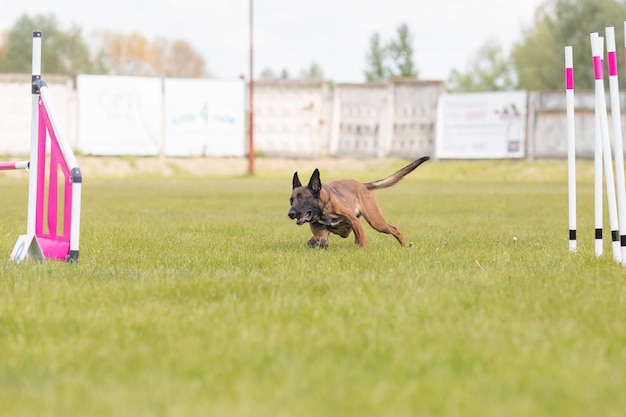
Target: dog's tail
396,176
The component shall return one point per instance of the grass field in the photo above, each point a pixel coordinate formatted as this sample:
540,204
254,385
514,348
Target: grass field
198,297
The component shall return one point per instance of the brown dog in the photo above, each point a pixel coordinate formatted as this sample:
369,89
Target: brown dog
336,207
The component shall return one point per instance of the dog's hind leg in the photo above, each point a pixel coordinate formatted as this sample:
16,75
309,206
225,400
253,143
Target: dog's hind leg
384,227
374,216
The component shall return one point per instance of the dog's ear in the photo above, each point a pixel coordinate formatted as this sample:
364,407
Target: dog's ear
315,184
296,181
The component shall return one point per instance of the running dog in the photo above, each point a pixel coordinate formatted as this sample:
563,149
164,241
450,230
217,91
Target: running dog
336,207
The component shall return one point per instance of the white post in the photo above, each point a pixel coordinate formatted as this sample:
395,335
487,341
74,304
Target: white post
606,144
616,118
571,146
34,134
598,186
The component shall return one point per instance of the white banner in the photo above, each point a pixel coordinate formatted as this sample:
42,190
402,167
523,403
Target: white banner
481,125
204,117
119,115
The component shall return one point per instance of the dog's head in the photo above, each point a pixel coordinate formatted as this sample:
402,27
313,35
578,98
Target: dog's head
306,205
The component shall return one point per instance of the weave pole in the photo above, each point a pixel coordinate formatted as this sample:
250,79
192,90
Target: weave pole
606,144
598,179
571,146
616,119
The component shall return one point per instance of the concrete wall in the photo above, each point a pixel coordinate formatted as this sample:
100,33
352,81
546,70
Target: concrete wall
15,110
313,118
547,123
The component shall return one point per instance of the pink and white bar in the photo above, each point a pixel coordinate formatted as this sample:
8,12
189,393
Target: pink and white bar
571,146
5,166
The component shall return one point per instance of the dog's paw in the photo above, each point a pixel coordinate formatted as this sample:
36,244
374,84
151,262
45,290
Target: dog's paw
318,243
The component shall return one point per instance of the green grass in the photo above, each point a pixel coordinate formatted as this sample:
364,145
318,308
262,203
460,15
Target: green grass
199,297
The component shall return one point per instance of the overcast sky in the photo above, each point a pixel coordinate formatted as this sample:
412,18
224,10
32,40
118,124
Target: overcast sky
292,34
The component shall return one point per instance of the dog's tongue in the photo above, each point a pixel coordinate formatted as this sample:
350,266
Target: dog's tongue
305,218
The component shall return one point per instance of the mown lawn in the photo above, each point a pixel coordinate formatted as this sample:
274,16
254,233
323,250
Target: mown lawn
198,296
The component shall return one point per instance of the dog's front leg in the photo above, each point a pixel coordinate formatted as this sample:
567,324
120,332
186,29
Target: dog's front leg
320,236
359,233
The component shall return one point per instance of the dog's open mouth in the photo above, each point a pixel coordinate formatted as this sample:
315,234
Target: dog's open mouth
306,217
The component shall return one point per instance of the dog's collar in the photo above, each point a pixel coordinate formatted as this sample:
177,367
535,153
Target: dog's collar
329,221
326,220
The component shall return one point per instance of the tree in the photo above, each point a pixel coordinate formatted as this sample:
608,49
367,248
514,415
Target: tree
180,60
126,54
558,23
401,53
314,72
395,59
488,70
133,54
3,50
377,71
284,74
63,52
269,74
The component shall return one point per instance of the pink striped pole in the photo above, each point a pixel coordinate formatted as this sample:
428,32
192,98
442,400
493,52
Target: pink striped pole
5,166
616,119
606,144
571,146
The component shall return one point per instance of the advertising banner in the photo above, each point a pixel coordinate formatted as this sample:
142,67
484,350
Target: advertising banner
204,117
119,115
481,125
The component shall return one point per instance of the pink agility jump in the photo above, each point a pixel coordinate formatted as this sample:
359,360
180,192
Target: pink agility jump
53,223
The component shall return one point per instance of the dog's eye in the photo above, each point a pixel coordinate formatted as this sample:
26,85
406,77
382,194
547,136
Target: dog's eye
300,197
290,200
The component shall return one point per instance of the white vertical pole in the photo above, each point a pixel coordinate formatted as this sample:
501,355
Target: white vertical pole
616,119
606,144
598,182
75,220
571,146
34,134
